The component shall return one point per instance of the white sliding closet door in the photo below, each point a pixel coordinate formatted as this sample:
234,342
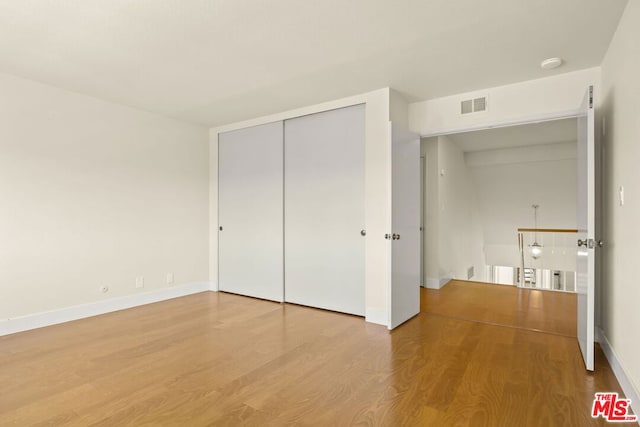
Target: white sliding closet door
324,210
250,200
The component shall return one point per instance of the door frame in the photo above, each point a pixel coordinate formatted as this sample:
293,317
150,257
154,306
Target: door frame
423,209
559,115
506,123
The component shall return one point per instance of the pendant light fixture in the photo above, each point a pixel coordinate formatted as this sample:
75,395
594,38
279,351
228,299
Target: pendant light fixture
535,248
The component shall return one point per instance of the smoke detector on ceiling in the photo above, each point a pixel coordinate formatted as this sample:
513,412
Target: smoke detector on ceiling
551,63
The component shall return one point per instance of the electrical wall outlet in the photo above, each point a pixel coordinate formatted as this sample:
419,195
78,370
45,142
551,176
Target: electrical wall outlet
169,278
140,282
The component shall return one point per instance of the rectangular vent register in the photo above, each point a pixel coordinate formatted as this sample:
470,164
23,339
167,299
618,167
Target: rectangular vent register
475,105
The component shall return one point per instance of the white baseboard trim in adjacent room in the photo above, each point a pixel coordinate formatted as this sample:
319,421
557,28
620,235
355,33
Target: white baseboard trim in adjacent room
377,316
438,283
39,320
627,385
445,280
433,283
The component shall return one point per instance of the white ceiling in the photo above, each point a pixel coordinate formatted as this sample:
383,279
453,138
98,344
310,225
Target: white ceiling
219,61
550,132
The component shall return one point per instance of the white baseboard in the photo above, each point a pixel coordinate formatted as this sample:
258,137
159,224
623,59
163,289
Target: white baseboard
438,283
39,320
377,316
432,284
629,389
445,280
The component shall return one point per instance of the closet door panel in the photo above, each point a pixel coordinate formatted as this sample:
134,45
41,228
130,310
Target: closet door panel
250,210
324,210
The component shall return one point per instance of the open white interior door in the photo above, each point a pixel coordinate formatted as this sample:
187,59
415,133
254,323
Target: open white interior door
585,262
405,226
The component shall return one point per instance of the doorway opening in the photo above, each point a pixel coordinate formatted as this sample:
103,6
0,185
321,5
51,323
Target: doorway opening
465,232
479,192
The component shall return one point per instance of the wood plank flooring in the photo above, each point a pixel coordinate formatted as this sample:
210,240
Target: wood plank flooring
548,311
222,359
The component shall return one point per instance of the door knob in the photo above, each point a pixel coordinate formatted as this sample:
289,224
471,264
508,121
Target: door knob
395,236
589,243
387,236
363,232
220,228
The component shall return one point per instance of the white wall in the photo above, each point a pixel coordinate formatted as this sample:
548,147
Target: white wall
508,181
398,109
94,193
453,232
429,149
559,94
377,191
621,109
460,238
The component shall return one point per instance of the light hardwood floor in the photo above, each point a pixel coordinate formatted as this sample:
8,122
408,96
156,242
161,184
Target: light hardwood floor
552,312
222,359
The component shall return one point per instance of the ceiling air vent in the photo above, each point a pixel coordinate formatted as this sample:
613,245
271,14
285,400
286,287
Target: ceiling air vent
474,105
480,104
466,107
